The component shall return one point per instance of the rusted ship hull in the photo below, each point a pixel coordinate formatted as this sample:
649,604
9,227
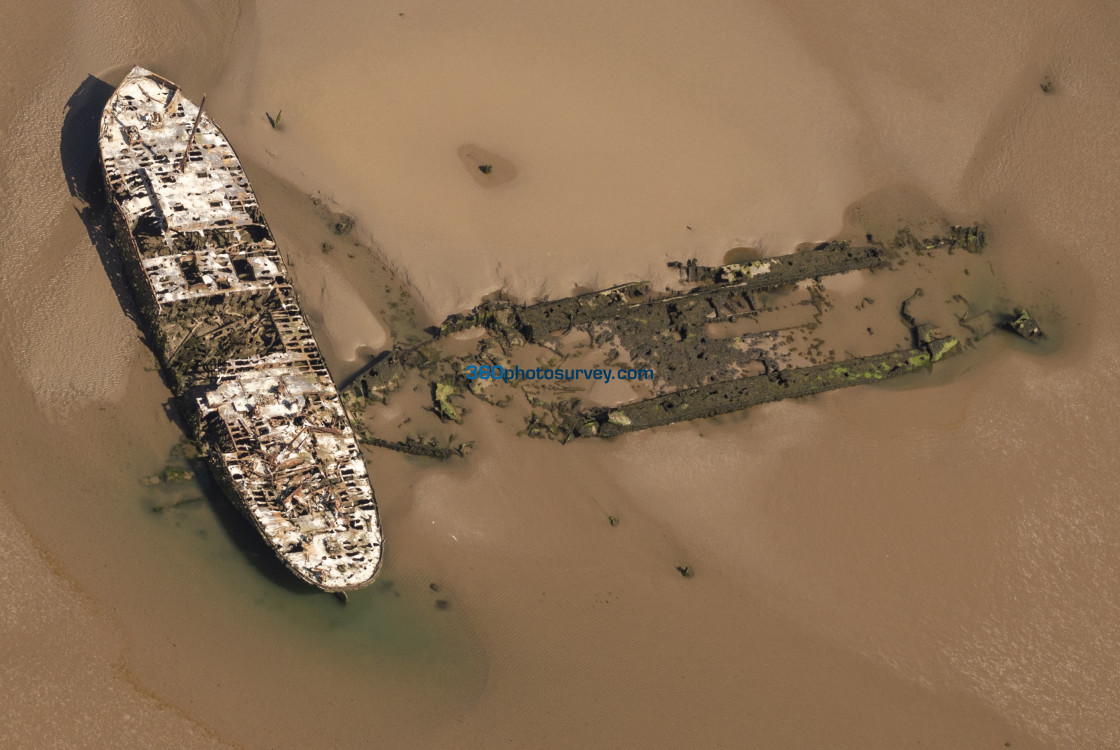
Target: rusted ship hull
225,322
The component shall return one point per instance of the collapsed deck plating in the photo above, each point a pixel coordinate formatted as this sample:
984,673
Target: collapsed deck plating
229,332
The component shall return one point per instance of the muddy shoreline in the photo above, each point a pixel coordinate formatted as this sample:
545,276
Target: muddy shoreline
926,560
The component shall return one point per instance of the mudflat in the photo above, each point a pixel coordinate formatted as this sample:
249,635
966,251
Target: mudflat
930,561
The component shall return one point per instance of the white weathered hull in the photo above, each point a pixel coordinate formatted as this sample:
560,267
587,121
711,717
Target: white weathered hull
211,282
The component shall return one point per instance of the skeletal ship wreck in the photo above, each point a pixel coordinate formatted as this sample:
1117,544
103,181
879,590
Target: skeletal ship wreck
226,325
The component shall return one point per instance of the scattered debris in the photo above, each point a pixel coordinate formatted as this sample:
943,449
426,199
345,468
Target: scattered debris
905,309
429,448
178,504
344,224
1025,325
175,474
169,475
970,238
442,393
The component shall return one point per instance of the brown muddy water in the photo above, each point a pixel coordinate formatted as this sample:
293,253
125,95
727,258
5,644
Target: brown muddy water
932,563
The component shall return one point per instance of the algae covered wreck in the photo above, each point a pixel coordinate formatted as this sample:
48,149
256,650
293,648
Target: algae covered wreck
722,339
225,322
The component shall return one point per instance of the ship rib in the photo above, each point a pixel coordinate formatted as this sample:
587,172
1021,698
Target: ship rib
216,297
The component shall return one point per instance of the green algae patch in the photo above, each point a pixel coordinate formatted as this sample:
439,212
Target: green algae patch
442,393
938,348
918,360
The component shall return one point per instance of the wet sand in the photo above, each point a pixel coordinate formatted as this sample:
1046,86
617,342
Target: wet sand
929,562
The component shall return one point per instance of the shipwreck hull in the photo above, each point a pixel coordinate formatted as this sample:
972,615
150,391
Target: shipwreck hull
217,304
735,395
